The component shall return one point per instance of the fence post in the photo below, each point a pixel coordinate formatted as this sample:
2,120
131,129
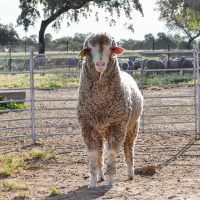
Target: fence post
195,87
32,96
168,57
141,65
197,52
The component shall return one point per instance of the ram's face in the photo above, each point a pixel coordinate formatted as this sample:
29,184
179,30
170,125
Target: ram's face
100,56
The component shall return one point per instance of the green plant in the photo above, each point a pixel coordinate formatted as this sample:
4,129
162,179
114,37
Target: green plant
54,191
10,184
37,153
52,153
13,105
22,194
13,163
10,164
53,85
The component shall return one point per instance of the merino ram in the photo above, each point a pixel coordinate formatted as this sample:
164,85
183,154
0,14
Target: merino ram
109,107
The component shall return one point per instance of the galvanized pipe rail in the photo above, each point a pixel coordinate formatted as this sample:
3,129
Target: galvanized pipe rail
160,70
12,101
33,100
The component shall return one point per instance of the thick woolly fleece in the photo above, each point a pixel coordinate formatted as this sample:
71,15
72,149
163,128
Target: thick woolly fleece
110,106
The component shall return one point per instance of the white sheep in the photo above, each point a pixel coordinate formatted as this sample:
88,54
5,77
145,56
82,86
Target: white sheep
109,107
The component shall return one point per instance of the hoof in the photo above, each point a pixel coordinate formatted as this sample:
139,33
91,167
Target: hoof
110,180
130,177
130,173
101,177
93,181
92,185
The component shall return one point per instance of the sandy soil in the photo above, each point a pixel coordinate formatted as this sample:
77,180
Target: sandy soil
175,154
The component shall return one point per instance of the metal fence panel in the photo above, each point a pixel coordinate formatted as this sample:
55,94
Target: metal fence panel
52,110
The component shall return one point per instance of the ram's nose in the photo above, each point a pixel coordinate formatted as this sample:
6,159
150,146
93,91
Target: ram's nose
100,64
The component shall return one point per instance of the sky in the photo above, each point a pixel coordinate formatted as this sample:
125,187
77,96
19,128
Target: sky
9,12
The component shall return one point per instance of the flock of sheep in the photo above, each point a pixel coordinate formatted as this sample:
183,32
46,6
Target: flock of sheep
177,63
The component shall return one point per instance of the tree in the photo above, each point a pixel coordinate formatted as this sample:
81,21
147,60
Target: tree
8,35
73,10
192,4
179,16
32,41
149,37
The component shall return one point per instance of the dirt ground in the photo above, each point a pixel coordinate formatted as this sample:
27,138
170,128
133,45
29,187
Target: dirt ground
175,154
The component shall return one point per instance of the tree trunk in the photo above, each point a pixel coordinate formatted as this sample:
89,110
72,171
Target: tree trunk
43,27
192,39
46,22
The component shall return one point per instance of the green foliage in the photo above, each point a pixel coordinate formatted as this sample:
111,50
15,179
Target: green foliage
160,42
149,37
53,85
192,4
180,16
52,153
9,106
54,191
184,45
8,35
37,153
73,10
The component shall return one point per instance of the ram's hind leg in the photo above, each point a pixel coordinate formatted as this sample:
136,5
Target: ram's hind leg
129,149
117,134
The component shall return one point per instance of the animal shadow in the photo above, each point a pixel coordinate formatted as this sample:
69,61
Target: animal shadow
84,193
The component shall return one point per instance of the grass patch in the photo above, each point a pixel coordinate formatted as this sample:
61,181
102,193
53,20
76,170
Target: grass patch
22,194
13,163
54,191
12,185
47,81
37,153
153,79
72,80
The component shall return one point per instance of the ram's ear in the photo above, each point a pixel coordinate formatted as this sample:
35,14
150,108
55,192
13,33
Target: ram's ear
84,52
117,50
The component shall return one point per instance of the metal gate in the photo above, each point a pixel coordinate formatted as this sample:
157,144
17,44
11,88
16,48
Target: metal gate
53,120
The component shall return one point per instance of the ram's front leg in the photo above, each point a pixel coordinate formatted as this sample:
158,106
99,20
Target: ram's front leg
100,160
116,140
90,139
93,168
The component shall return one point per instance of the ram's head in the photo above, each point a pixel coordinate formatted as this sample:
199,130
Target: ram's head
100,47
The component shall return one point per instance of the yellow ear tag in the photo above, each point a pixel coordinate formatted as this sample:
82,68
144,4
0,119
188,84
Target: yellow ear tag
82,54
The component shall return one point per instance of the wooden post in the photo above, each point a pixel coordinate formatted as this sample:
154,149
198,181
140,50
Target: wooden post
67,46
168,56
10,59
153,45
